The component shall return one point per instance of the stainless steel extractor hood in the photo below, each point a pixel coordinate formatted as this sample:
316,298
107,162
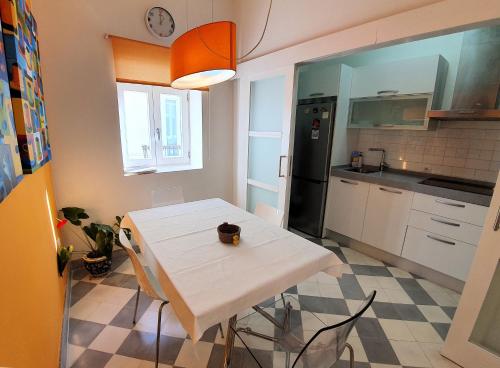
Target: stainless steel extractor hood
477,88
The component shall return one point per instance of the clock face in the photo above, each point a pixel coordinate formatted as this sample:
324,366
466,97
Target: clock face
160,22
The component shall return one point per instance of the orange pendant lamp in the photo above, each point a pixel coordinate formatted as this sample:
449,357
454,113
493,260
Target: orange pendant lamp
204,56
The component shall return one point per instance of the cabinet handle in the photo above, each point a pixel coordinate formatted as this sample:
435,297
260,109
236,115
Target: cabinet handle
158,134
383,125
496,225
316,94
348,182
450,203
390,190
383,92
279,169
441,240
445,222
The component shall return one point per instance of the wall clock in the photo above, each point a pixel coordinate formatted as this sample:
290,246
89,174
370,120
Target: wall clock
160,22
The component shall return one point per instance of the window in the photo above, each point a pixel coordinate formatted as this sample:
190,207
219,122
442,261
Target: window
160,128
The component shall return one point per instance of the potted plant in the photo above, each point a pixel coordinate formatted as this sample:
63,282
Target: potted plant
99,238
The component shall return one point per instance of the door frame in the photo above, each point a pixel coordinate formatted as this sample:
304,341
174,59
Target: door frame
243,95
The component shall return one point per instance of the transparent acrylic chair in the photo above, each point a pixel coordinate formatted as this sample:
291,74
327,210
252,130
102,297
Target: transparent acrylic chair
304,339
147,283
167,196
269,213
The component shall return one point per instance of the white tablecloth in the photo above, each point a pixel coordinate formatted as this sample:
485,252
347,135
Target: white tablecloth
207,281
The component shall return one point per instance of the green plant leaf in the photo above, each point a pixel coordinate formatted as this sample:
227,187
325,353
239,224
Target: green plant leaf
74,215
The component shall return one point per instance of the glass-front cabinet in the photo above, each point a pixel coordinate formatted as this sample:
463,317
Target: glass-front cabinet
394,112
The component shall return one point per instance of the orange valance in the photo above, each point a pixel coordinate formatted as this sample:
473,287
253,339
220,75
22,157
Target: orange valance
140,62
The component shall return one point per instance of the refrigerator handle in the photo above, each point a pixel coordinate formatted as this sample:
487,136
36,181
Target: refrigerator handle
279,170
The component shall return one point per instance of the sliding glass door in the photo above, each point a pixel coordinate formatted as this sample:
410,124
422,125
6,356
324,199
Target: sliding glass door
269,115
474,337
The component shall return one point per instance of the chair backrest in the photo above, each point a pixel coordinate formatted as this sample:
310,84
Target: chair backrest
328,344
142,277
167,196
269,213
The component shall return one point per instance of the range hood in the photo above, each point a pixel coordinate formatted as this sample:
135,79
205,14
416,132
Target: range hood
477,88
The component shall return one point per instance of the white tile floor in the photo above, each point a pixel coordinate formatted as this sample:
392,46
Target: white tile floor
405,327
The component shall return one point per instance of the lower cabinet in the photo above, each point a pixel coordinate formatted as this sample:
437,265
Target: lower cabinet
386,217
449,256
346,206
435,232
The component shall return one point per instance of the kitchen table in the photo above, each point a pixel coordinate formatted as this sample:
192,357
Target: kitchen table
207,281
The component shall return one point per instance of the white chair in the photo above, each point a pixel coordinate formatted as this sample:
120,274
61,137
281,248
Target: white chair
269,213
167,196
148,283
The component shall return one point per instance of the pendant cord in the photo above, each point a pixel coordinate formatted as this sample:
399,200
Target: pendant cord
249,52
187,15
262,35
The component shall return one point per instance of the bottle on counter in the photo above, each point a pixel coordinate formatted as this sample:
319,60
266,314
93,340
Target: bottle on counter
356,159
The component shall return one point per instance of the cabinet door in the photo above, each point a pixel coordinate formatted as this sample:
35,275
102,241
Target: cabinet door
318,81
346,206
416,75
387,212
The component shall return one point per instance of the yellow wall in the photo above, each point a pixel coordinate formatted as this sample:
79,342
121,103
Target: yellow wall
31,291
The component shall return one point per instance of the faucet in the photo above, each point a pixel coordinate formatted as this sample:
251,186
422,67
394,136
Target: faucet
382,157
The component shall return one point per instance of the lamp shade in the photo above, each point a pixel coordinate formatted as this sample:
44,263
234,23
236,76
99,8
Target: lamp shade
204,56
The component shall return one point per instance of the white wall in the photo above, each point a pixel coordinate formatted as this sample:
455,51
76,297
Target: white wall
296,21
82,107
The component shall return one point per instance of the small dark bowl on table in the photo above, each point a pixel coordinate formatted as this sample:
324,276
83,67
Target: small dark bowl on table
227,233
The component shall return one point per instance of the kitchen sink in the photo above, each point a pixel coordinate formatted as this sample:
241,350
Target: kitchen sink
367,169
462,185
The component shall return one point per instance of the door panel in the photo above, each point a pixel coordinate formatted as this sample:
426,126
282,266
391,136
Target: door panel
473,339
313,136
268,109
307,205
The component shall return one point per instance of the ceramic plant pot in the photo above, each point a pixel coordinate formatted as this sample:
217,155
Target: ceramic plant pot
97,266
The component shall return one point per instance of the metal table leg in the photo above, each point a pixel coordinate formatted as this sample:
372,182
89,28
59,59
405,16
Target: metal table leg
229,341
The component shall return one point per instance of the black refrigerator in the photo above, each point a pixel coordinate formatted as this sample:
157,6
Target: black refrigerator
314,126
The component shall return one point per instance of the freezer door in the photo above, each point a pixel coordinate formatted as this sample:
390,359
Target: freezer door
313,140
307,206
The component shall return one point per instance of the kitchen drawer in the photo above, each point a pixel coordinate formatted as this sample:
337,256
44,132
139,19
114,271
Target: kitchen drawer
446,255
455,210
444,226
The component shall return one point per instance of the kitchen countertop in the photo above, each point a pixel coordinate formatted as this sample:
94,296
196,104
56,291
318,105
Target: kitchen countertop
410,181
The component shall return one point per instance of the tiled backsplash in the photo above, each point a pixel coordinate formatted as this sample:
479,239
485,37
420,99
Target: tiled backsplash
462,149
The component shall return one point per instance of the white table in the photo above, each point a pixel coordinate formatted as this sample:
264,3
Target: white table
207,281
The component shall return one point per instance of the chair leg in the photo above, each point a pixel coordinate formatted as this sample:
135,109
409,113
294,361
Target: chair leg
221,331
158,333
136,303
351,355
287,359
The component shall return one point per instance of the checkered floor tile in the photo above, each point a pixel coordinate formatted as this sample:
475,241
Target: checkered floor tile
405,327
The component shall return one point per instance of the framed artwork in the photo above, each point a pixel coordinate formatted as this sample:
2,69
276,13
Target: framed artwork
22,55
11,171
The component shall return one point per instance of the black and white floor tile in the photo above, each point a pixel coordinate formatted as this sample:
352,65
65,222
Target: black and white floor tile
405,327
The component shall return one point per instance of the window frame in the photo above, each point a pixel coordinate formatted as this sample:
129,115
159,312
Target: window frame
157,163
185,127
131,165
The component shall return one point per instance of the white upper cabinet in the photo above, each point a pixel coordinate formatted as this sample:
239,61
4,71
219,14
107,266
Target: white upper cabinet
386,218
411,76
318,81
397,95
